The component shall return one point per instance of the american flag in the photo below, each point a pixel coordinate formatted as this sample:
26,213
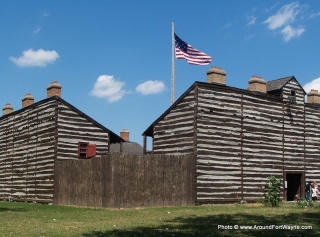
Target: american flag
192,55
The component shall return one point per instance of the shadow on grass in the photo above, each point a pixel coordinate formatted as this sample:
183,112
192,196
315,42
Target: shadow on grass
211,226
5,209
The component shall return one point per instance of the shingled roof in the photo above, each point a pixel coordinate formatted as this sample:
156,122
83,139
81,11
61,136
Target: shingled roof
278,84
128,148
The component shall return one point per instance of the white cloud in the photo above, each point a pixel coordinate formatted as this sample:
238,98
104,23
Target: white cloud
150,87
314,15
252,20
109,88
289,32
285,15
39,58
282,21
315,84
36,31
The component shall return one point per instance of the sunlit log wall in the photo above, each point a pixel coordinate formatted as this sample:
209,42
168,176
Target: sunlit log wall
33,138
27,154
175,133
241,138
312,142
74,128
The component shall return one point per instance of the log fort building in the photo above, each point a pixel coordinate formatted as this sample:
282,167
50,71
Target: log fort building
35,137
242,136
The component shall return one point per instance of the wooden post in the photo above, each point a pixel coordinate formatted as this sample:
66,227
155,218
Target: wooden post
144,144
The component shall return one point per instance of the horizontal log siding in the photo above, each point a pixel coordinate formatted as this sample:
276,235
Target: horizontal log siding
243,138
293,129
27,154
312,143
72,129
262,144
174,134
218,146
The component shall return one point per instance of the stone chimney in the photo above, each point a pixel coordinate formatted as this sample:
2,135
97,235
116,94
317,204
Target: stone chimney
313,96
54,89
256,83
7,109
124,134
216,75
27,100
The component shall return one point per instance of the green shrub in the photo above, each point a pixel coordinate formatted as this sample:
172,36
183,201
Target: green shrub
272,192
303,203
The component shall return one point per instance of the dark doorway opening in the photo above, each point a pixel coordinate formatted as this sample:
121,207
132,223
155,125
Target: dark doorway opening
293,186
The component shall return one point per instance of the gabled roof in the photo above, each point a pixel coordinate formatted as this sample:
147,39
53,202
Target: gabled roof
128,148
278,84
114,138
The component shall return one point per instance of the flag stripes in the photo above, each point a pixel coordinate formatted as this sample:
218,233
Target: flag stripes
192,55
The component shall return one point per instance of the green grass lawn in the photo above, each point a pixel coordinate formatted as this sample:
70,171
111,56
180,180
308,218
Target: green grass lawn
25,219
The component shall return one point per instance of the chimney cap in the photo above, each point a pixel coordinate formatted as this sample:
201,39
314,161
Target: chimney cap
7,109
28,96
313,92
54,84
256,78
216,70
8,106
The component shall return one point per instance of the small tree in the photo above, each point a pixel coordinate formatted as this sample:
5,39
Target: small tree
272,192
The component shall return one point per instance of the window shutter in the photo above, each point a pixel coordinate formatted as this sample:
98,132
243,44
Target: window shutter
91,150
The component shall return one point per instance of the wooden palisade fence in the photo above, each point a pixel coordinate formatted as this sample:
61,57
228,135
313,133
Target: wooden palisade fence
124,181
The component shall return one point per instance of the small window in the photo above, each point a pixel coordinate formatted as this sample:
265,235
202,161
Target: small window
293,93
86,150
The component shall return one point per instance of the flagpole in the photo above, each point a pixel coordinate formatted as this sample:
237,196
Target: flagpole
172,66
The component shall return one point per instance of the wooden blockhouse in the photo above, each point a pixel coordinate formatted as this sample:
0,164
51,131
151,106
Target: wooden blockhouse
242,136
38,135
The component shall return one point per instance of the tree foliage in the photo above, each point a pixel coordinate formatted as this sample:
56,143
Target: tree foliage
272,192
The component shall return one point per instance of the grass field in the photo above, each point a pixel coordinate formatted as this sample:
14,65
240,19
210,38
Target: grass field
25,219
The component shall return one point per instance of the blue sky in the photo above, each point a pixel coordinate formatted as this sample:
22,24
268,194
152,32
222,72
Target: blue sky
113,57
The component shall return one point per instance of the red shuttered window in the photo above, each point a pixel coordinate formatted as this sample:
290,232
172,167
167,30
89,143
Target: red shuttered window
86,150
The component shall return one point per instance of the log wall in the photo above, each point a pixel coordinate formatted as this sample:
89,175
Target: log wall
27,154
262,145
74,128
175,133
293,129
312,142
243,137
218,145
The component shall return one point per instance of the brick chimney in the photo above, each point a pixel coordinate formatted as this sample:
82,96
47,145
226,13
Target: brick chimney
313,96
27,100
216,75
124,134
54,89
256,83
7,109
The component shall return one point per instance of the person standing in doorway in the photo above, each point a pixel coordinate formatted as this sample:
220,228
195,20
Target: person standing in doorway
314,189
308,191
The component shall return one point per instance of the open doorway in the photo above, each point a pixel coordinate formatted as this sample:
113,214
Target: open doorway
294,186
